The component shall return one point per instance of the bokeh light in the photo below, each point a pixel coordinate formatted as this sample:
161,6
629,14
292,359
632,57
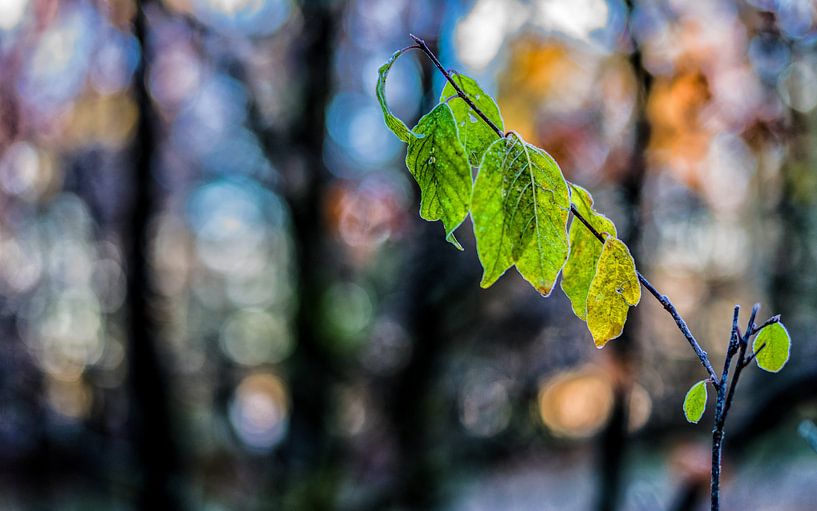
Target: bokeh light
576,404
484,403
347,309
259,411
56,66
252,337
244,17
12,13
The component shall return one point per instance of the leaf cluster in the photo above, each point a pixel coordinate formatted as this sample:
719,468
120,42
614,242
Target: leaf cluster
519,203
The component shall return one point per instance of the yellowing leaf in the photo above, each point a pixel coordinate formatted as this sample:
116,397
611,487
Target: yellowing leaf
613,290
397,126
695,402
437,161
776,346
475,134
585,250
520,207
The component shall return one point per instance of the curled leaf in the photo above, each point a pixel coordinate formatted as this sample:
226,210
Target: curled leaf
397,126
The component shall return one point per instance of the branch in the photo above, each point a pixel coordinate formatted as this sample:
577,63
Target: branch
744,344
583,220
682,326
423,46
720,407
731,351
662,299
771,321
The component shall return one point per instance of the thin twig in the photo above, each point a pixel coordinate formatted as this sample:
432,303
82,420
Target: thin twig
750,325
423,46
771,321
734,343
583,220
744,344
682,326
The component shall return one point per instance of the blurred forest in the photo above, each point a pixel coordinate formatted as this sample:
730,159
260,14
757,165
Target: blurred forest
216,293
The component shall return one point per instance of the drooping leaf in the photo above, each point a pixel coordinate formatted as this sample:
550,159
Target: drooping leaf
613,290
437,161
776,345
585,250
695,402
520,208
475,134
397,126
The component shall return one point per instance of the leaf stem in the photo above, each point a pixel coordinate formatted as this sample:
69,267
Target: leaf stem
754,354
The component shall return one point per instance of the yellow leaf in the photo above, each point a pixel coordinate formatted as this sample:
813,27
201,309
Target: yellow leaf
585,251
613,290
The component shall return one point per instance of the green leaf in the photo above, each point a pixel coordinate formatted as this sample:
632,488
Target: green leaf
475,134
520,208
437,161
776,345
613,290
585,250
397,126
695,402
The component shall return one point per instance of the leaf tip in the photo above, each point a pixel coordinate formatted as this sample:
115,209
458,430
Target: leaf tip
600,343
451,239
487,281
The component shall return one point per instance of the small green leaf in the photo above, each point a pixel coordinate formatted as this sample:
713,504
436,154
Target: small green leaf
437,161
695,402
397,126
475,134
520,208
776,347
613,290
585,250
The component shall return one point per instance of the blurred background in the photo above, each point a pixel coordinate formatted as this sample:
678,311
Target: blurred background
216,293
